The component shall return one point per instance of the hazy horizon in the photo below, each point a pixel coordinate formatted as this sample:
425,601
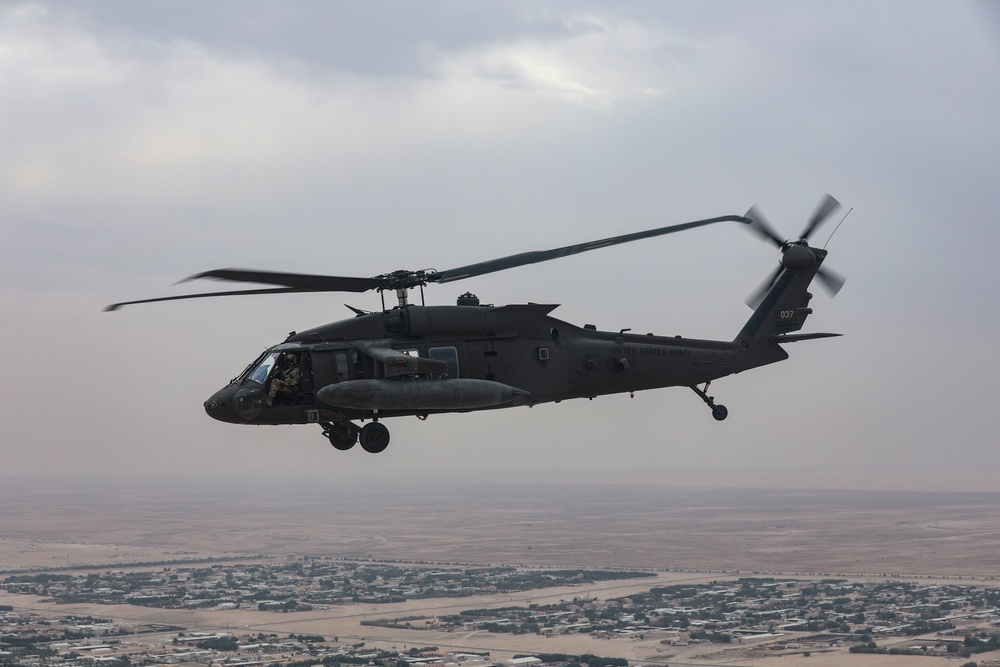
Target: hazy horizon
256,483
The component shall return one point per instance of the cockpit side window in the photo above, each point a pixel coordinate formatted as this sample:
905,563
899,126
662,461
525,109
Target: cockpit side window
263,368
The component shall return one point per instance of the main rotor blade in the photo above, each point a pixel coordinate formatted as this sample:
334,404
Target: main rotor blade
760,225
536,256
299,281
826,207
270,290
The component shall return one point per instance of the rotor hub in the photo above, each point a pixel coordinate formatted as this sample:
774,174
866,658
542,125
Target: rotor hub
404,279
798,257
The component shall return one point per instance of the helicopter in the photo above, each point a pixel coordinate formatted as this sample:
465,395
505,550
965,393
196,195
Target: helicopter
419,360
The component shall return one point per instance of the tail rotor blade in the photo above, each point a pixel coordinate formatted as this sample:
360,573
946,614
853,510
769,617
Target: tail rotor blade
831,280
759,224
755,299
826,208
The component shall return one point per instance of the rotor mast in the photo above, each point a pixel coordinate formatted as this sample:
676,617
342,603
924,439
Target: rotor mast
401,281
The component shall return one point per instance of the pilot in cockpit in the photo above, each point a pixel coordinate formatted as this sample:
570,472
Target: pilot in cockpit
286,379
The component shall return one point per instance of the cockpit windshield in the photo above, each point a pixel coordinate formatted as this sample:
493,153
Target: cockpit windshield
260,369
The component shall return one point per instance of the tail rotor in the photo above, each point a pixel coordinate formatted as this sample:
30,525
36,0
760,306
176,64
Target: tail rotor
795,253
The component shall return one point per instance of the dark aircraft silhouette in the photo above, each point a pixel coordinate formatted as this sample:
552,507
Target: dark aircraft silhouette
420,360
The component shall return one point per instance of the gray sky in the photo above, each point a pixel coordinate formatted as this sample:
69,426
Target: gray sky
144,142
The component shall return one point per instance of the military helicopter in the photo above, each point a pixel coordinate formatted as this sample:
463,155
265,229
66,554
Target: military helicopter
421,360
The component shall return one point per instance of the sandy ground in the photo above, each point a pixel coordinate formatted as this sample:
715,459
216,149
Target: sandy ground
643,527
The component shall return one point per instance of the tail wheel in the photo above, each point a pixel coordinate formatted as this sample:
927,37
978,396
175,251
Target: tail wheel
718,411
374,437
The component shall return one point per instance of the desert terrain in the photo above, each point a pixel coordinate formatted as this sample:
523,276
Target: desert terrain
950,534
685,535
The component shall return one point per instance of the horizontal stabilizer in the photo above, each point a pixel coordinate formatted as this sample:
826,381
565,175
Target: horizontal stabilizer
795,338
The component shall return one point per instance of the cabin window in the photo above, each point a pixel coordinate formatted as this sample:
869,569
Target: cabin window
449,355
360,372
342,371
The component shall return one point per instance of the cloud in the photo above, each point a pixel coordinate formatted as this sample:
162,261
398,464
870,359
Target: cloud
595,62
525,68
142,145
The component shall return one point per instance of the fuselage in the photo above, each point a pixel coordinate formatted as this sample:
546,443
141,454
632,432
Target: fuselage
520,347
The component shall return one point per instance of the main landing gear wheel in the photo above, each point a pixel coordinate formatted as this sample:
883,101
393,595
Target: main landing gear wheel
718,411
342,436
374,437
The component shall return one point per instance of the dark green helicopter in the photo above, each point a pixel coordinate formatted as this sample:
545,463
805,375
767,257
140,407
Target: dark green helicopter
423,360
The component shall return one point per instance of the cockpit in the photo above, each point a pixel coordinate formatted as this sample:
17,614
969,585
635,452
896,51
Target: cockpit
285,374
260,368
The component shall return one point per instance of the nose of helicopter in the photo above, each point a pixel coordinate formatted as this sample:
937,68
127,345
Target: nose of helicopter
222,405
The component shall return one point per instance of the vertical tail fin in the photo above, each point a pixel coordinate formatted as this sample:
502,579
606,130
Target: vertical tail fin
783,310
